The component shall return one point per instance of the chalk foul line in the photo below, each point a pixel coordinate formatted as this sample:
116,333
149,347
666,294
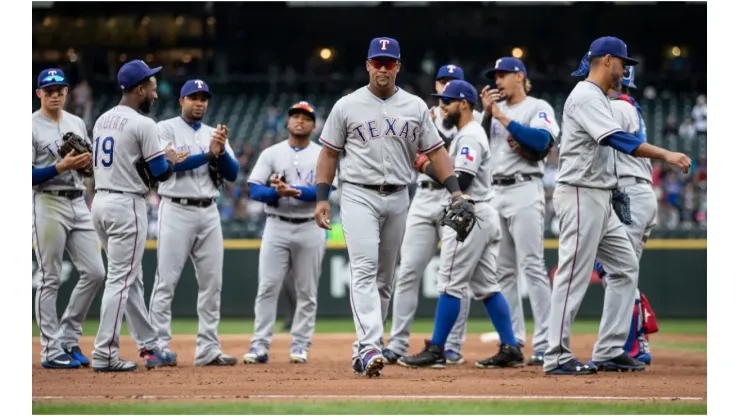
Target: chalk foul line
362,397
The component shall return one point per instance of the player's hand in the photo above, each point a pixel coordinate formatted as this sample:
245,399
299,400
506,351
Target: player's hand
322,215
431,113
680,160
489,97
182,156
218,140
74,161
170,153
284,190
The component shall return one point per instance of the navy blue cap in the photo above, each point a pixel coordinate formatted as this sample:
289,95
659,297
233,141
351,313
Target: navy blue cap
609,45
133,72
628,80
51,76
459,90
506,64
303,107
450,71
194,85
384,47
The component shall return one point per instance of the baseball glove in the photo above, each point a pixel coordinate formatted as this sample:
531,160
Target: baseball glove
216,177
460,216
72,141
621,205
142,168
528,153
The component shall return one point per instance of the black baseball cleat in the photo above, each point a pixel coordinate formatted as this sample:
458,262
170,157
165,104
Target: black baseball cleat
508,356
573,368
623,362
537,359
432,356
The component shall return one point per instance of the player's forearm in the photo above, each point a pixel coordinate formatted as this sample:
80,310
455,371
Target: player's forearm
161,168
308,193
623,142
486,124
41,175
228,166
325,169
648,150
192,162
536,139
440,160
262,193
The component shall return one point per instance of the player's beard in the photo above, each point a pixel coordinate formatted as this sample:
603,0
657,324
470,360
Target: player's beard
616,80
451,119
146,106
196,118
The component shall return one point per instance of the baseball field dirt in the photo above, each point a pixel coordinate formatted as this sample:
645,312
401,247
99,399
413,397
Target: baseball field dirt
676,375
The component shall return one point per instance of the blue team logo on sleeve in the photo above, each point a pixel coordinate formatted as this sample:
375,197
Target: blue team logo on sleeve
543,115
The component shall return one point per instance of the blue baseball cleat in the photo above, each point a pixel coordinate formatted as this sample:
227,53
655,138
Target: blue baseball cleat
453,357
389,356
157,358
76,353
644,357
573,368
61,362
256,356
372,364
357,365
622,362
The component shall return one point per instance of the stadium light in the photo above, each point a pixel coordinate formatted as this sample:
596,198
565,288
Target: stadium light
676,51
325,54
517,52
122,57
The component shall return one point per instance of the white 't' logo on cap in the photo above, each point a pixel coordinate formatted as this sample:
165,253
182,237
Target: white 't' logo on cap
199,83
451,68
52,73
384,43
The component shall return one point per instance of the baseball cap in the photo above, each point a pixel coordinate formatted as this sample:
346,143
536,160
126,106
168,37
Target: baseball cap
450,71
506,64
384,47
51,76
195,85
133,72
609,45
459,90
303,107
628,80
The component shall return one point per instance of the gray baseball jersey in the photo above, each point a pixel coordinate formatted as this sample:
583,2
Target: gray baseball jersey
587,119
532,112
288,247
377,141
187,231
589,228
521,207
122,137
61,223
471,154
195,183
625,114
47,139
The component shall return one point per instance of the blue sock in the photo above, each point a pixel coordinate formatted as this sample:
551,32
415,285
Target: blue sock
498,311
448,308
629,346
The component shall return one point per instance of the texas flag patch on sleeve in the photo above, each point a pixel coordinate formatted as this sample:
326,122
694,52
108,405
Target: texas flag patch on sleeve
466,155
543,115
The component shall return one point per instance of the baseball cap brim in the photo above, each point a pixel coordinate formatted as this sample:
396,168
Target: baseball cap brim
51,84
628,61
208,93
383,55
301,110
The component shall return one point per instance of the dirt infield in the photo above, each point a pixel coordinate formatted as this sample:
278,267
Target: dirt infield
674,374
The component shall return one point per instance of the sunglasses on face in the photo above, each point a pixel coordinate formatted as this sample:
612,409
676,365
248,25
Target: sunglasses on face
448,101
389,64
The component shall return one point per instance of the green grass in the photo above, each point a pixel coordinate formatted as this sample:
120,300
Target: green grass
681,346
184,326
379,407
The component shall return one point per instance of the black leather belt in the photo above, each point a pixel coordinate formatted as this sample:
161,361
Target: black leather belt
66,194
291,220
385,189
112,191
511,180
431,185
194,202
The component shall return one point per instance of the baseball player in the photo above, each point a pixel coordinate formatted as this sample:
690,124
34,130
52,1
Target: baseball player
423,231
123,136
519,122
471,263
374,134
61,220
284,178
588,203
635,179
190,224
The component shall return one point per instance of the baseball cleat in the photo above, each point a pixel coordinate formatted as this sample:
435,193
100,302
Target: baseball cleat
61,362
623,362
157,358
256,356
389,356
431,356
373,364
644,357
508,356
453,357
222,360
119,366
537,359
76,354
298,356
572,368
357,365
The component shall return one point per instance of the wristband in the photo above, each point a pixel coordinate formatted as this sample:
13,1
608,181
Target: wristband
322,191
452,184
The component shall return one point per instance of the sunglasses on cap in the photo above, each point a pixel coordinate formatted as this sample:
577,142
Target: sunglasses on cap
389,64
53,78
304,107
